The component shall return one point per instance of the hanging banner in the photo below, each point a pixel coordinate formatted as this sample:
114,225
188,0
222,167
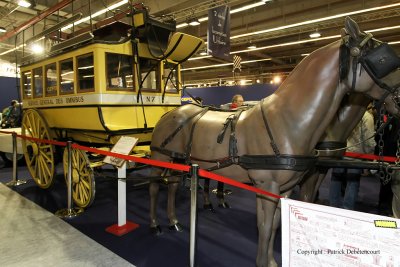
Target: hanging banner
218,35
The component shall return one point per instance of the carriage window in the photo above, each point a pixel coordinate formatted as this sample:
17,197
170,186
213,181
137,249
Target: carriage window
171,78
85,73
51,79
67,76
26,84
38,82
119,71
148,71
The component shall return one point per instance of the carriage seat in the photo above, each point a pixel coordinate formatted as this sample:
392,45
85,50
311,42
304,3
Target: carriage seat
162,42
115,31
180,47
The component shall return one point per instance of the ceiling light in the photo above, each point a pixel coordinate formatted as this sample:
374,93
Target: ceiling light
96,14
232,11
24,3
316,20
193,22
251,46
315,34
37,49
2,29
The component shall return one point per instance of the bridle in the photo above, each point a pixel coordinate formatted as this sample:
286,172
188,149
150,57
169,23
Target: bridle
378,61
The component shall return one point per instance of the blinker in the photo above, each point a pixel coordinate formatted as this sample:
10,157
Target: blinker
381,61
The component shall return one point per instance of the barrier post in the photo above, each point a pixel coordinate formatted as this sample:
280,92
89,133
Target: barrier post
122,195
123,226
69,212
15,181
194,171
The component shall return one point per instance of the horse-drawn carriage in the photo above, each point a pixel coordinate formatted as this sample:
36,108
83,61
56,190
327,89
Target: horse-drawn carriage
98,86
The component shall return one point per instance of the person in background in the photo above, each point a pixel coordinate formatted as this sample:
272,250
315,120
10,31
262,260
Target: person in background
237,101
361,140
12,115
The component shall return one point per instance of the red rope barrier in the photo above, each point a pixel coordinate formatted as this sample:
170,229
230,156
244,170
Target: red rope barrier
185,168
369,156
157,163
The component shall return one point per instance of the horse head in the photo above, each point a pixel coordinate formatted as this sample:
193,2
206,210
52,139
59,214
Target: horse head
370,67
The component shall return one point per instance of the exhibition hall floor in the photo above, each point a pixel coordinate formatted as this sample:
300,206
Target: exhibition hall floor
32,236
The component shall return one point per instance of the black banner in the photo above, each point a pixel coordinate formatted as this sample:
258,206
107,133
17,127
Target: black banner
218,35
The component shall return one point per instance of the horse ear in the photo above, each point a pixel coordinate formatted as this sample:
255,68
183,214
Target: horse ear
352,28
343,32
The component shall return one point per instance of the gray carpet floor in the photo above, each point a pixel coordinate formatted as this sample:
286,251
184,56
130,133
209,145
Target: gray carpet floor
32,236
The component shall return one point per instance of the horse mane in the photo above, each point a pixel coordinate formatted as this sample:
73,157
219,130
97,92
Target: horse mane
344,61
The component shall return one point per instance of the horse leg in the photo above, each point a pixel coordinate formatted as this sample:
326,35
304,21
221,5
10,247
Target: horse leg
275,225
221,197
206,195
308,186
266,208
153,190
173,184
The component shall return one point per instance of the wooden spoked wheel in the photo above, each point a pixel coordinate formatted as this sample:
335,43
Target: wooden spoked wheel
39,157
82,178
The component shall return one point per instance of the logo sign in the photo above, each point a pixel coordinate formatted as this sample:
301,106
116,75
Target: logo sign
218,35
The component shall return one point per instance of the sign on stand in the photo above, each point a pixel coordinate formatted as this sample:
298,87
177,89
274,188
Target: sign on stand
316,235
124,146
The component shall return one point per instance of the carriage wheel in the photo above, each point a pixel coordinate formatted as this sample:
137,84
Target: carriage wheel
39,157
83,186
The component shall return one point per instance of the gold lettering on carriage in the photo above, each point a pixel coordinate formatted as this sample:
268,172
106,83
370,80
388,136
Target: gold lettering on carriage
150,99
46,102
75,99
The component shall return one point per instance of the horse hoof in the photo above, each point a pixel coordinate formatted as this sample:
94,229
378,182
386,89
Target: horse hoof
224,205
176,227
209,207
156,230
227,192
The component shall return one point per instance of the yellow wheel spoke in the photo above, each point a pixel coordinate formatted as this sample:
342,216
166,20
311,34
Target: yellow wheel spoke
83,188
40,157
85,184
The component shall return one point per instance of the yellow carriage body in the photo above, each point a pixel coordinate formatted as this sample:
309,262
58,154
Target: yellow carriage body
96,87
107,109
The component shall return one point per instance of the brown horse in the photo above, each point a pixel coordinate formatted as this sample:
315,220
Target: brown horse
272,144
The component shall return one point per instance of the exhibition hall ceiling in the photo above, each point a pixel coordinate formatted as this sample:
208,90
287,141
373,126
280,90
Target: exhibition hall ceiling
279,29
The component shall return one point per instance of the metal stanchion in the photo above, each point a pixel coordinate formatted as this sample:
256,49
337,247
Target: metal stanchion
15,181
69,212
194,171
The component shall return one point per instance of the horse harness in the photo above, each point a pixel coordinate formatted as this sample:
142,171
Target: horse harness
378,62
262,162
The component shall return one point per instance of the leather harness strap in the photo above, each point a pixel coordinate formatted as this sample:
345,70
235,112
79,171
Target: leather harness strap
179,128
271,138
272,162
325,145
261,162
